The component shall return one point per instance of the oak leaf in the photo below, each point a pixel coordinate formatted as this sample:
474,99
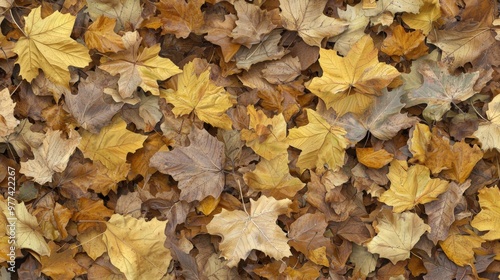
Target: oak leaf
47,45
127,12
50,157
397,233
440,89
307,18
8,122
198,167
138,67
272,178
198,94
411,186
488,133
321,144
100,36
252,24
60,264
111,145
243,231
266,136
180,17
136,247
349,83
486,220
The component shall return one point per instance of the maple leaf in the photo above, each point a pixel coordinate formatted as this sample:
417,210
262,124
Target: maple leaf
364,261
423,20
91,108
320,142
408,45
397,233
349,83
373,159
180,17
459,246
411,186
198,167
306,235
47,45
111,145
198,94
486,220
273,178
357,23
242,231
488,133
219,32
138,67
252,24
440,89
441,211
52,156
127,12
8,122
61,265
266,136
136,246
307,18
100,36
383,119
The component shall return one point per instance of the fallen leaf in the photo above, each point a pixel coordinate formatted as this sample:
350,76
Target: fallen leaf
198,167
180,17
244,231
100,36
8,122
401,44
47,45
252,24
197,93
357,21
61,265
488,133
136,246
397,233
373,159
458,247
50,157
111,145
126,12
307,18
411,186
490,213
429,13
307,235
349,83
364,261
321,144
219,33
268,49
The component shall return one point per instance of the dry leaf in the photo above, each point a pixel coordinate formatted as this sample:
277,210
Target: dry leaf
488,133
126,12
486,219
7,120
180,17
61,263
252,24
100,36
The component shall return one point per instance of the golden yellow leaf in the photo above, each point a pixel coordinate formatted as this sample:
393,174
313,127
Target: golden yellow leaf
266,136
198,94
488,133
321,144
411,186
7,50
487,219
138,67
307,18
111,145
136,247
423,20
373,159
458,247
50,157
272,178
244,231
466,158
404,45
349,83
7,120
397,233
48,46
61,263
100,36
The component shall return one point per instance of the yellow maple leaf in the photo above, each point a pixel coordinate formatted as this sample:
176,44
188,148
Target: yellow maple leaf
397,233
47,45
138,67
50,157
487,219
349,83
488,133
459,247
320,142
111,145
136,247
243,232
273,178
266,136
404,45
198,94
373,159
100,36
424,19
411,186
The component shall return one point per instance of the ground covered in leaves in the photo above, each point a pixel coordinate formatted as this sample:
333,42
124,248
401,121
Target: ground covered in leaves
278,139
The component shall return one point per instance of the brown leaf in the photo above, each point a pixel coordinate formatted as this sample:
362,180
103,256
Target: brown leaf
60,264
252,24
